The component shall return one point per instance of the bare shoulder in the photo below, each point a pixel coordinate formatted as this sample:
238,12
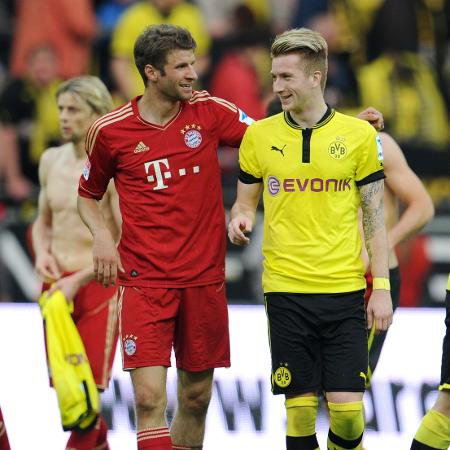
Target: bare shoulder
53,154
390,146
392,153
50,157
399,176
46,162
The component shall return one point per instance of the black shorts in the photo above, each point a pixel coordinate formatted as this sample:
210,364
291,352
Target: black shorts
445,368
378,340
318,342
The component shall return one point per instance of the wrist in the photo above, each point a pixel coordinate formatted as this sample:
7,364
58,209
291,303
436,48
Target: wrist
381,283
83,277
101,232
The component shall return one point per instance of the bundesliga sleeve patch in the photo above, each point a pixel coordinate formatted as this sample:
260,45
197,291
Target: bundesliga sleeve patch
244,118
379,148
86,170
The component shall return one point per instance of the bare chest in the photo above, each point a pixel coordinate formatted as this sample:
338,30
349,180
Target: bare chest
62,187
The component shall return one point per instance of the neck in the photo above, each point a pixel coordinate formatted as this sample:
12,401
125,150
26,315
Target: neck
79,149
310,114
155,108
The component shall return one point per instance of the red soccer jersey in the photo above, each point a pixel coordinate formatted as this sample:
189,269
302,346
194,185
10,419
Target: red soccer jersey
169,185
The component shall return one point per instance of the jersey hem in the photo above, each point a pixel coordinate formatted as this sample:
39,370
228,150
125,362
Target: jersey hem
375,176
169,284
248,178
86,193
310,291
215,365
139,365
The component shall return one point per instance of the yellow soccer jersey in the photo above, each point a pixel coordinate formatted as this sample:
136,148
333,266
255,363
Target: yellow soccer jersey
311,198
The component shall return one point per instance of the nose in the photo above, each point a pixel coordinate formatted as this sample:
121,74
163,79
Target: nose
277,86
62,114
192,74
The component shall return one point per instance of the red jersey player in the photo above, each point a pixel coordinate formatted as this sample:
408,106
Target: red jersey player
161,150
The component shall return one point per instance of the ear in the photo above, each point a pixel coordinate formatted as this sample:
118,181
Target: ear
316,78
151,72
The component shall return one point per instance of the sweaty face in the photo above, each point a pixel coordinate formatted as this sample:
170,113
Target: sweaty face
293,87
75,117
179,76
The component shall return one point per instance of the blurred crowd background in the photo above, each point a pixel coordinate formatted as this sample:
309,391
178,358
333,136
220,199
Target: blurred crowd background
390,54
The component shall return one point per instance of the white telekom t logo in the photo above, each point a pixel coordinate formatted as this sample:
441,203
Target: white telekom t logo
159,175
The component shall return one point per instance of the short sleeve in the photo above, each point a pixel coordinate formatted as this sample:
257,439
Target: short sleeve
99,167
248,160
370,165
230,121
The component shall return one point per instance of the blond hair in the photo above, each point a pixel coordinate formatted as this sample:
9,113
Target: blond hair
310,45
91,90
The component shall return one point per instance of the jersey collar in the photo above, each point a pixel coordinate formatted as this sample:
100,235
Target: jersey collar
142,120
329,113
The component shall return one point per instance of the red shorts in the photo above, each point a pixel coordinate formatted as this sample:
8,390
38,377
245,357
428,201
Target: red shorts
95,316
194,320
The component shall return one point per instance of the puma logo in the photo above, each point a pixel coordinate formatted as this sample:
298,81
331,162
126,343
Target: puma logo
276,149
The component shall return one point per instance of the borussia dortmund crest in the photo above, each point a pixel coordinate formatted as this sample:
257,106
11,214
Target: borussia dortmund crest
282,376
337,150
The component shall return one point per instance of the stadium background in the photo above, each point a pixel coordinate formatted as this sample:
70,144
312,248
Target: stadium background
391,54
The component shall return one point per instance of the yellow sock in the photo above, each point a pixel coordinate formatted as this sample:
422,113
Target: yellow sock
346,425
434,431
301,415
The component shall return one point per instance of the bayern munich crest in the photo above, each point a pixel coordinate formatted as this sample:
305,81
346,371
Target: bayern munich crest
192,136
129,345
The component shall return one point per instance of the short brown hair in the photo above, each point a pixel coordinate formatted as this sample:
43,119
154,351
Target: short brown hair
309,44
156,41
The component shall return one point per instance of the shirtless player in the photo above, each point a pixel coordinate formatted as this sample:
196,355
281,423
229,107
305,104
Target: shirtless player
407,208
63,245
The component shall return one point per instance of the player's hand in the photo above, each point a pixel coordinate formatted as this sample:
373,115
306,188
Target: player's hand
374,117
379,310
47,267
69,286
237,229
106,259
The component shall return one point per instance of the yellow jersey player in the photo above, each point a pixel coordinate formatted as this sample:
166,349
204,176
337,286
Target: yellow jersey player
434,430
317,167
